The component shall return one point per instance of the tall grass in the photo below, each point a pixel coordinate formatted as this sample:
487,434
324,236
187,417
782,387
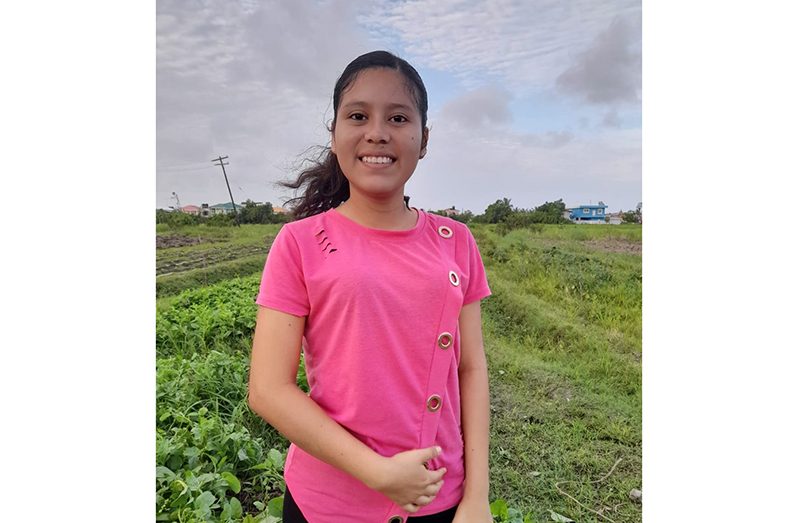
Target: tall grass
563,339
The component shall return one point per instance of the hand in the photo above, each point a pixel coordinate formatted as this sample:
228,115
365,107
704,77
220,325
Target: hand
473,511
404,478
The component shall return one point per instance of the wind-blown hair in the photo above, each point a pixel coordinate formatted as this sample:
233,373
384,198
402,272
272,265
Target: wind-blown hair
325,185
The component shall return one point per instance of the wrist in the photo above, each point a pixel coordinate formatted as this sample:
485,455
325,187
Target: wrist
371,473
475,493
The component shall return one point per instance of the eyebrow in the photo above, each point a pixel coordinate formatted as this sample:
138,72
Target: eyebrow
391,106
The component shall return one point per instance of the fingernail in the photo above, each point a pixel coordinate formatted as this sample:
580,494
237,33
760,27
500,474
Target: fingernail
438,449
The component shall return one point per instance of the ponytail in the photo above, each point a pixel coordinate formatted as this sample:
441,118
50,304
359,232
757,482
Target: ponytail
325,186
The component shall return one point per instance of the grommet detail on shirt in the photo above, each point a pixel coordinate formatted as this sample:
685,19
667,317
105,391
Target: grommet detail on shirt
434,403
445,231
445,340
454,278
396,519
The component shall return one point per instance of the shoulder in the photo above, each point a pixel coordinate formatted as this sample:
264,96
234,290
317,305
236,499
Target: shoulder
303,228
304,224
459,229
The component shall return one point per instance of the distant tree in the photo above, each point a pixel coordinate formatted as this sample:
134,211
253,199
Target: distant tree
162,216
175,218
629,217
463,217
550,212
498,211
280,218
252,212
557,207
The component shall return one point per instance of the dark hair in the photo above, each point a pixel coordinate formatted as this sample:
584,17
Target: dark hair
325,184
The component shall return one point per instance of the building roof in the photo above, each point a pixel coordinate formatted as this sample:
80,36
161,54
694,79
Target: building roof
227,205
591,206
189,208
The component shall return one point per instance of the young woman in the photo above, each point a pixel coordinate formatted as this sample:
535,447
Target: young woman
384,300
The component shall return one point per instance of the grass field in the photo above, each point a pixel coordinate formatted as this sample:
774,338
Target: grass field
563,342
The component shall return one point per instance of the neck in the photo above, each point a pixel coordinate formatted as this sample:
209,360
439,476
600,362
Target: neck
389,215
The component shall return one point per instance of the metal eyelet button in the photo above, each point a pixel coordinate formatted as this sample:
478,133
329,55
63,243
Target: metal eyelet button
445,340
434,403
445,231
454,278
396,519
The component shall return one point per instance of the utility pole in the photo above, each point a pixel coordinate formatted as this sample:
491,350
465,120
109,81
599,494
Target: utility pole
221,164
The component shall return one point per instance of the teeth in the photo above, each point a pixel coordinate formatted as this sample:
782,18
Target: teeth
377,159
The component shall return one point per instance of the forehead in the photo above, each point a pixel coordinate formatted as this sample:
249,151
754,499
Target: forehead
380,85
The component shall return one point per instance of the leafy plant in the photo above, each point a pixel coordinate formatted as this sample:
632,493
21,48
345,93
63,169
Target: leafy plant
503,514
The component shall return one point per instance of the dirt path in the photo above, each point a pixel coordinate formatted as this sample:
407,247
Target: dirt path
615,245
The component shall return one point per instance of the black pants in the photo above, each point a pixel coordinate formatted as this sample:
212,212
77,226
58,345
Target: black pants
292,514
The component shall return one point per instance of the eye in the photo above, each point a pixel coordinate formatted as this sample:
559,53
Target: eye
398,118
358,117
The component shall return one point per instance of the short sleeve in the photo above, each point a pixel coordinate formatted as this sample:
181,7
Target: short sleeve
477,279
282,286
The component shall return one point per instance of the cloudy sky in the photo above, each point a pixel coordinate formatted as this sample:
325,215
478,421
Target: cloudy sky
529,100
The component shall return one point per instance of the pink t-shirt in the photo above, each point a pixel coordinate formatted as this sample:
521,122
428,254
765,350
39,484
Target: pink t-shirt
375,303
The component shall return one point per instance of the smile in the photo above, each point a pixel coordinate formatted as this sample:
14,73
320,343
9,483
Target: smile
377,159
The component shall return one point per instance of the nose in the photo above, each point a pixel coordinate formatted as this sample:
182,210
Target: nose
377,132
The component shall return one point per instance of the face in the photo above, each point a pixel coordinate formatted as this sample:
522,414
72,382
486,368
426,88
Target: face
377,136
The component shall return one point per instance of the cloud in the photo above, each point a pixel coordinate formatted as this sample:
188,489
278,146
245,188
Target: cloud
611,119
521,44
470,168
473,161
484,106
609,71
251,80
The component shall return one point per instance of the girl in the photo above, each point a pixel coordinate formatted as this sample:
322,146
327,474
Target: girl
386,298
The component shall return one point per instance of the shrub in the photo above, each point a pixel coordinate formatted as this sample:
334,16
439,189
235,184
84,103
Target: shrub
175,219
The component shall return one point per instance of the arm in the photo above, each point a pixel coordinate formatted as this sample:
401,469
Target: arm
475,410
275,397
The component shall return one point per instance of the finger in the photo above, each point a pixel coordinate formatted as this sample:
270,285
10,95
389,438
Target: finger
423,501
410,507
436,475
432,490
429,453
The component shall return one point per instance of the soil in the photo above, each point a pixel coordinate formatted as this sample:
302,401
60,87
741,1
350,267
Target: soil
175,240
206,258
615,245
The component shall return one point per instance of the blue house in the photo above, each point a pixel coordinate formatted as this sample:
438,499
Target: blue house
588,213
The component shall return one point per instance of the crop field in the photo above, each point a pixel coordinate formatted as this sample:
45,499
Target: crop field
563,341
199,256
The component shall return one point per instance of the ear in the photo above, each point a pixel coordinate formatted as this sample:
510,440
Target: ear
332,142
424,140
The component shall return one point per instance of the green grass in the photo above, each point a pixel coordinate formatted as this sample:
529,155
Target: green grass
563,340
